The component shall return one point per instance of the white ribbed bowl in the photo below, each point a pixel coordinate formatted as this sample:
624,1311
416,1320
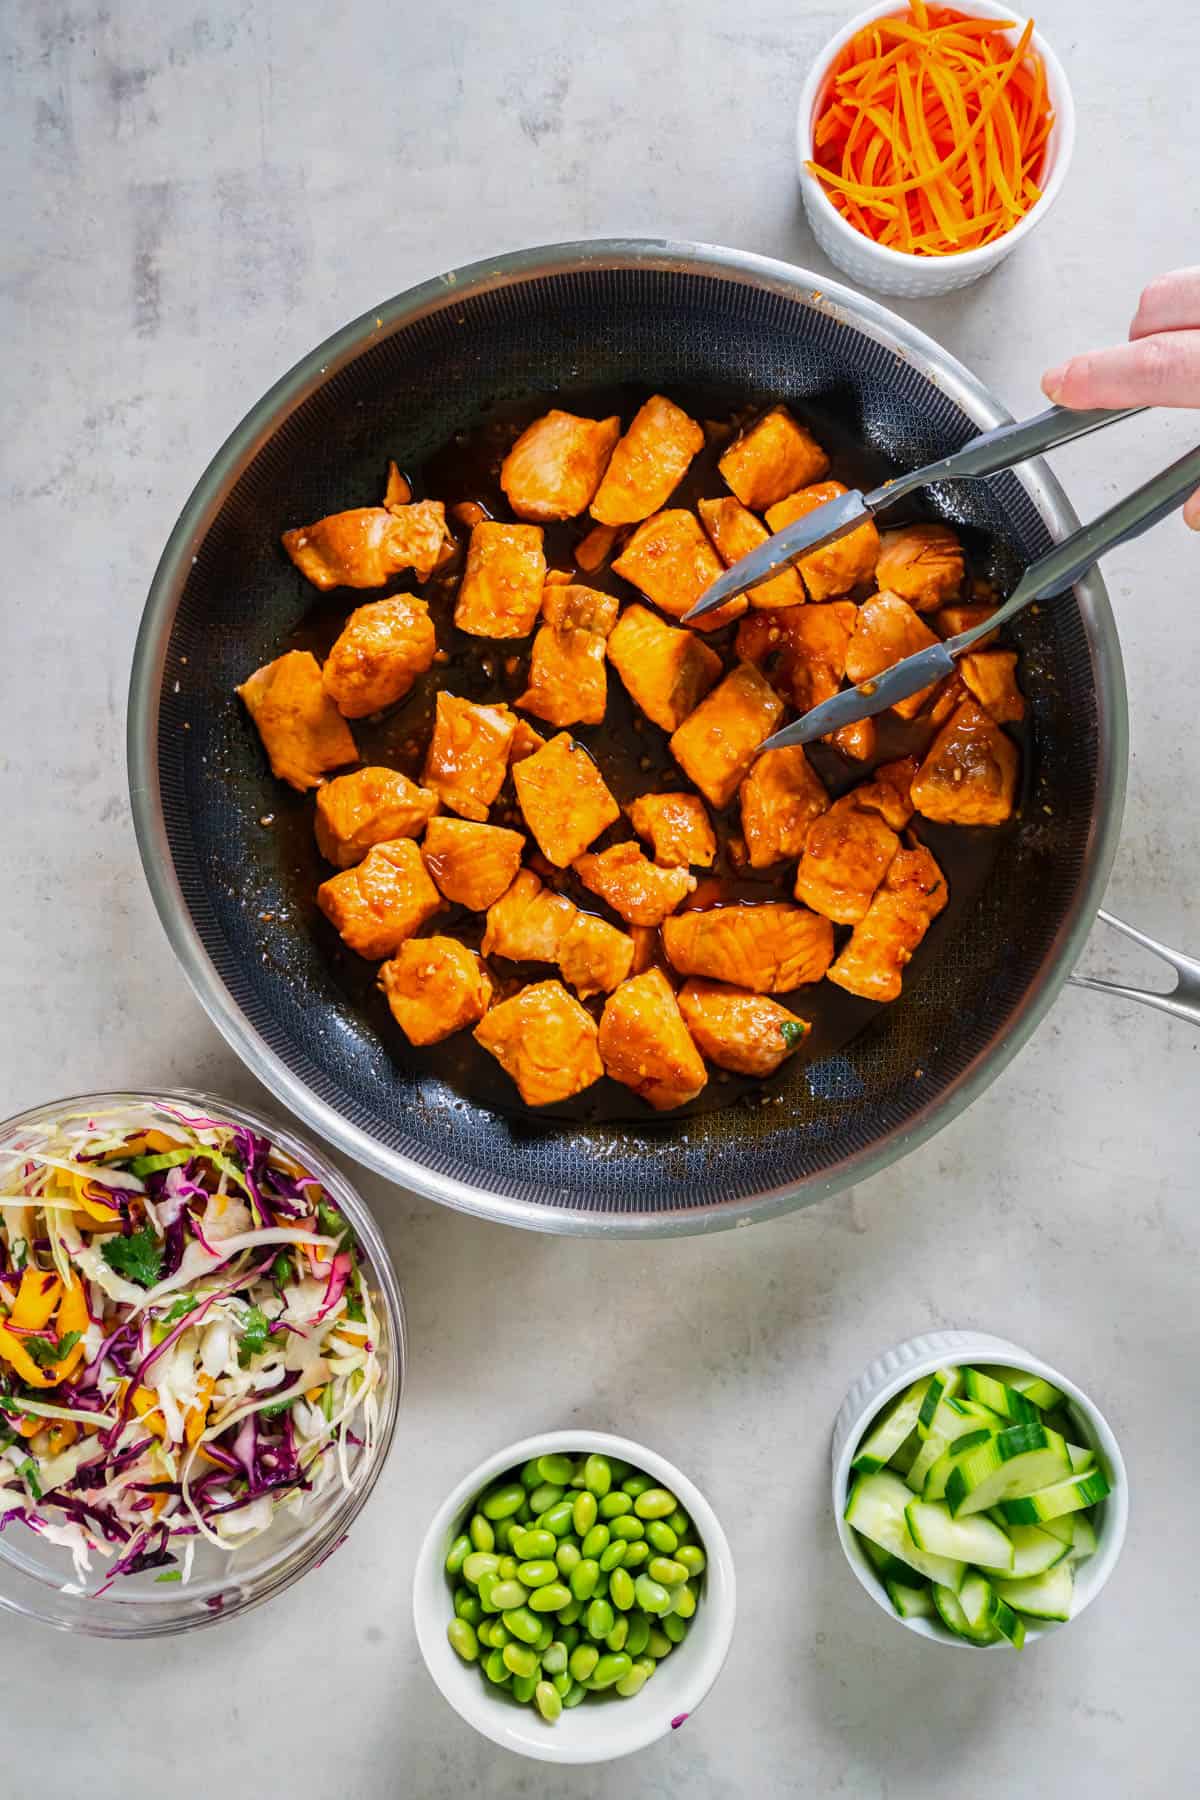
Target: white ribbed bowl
895,271
882,1379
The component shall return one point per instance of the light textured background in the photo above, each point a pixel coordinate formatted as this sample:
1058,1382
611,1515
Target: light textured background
192,197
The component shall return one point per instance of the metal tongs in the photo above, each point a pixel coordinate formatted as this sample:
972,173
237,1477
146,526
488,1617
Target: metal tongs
1044,579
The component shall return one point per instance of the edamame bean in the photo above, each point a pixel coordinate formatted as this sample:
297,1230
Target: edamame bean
613,1557
503,1530
523,1624
508,1568
577,1693
479,1563
467,1606
583,1516
524,1512
568,1556
663,1569
463,1639
520,1659
487,1586
637,1553
530,1545
554,1658
654,1503
620,1590
507,1594
629,1527
531,1475
635,1681
611,1668
495,1670
501,1502
683,1602
675,1628
636,1483
639,1635
616,1637
583,1661
600,1619
537,1574
556,1469
596,1540
562,1683
557,1519
480,1533
548,1701
549,1598
546,1495
679,1522
652,1597
614,1504
597,1476
662,1537
659,1644
567,1615
458,1552
570,1635
524,1687
545,1636
693,1558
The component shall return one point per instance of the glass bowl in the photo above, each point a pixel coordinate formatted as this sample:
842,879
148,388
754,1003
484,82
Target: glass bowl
38,1579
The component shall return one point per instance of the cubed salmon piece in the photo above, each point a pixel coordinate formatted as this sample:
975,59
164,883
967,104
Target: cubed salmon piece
716,744
302,731
969,776
593,550
780,798
554,468
648,464
802,653
568,684
372,806
889,792
672,562
365,547
857,740
580,608
774,458
543,1038
594,957
769,949
383,900
991,675
948,621
472,864
525,741
735,532
467,758
632,885
645,1045
666,671
846,856
880,947
382,649
834,568
948,696
435,986
748,1034
677,828
529,922
564,799
921,563
397,492
500,595
647,948
888,630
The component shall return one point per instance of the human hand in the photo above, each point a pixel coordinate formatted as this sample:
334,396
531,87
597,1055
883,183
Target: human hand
1159,366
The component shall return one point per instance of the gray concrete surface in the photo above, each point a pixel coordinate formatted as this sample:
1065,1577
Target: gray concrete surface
191,197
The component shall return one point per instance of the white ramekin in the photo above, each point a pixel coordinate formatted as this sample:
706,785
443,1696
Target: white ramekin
918,1356
589,1733
895,271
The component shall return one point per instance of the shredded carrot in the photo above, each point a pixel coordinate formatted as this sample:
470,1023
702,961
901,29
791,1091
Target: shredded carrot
931,135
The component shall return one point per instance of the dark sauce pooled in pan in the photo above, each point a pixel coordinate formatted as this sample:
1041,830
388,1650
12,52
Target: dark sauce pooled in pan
631,752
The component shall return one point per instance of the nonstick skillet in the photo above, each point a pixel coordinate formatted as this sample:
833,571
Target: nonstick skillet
235,893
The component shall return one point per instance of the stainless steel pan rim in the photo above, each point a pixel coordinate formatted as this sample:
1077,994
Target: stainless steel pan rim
838,302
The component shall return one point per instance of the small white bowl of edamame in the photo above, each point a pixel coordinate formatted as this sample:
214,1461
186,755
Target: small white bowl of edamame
980,1495
617,1501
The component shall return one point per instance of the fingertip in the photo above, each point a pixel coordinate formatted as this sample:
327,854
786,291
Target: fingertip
1053,381
1191,512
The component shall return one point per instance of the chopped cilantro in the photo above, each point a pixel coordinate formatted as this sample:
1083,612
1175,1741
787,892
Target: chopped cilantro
793,1032
185,1304
170,1575
330,1221
276,1408
28,1473
281,1269
355,1310
138,1257
255,1333
46,1351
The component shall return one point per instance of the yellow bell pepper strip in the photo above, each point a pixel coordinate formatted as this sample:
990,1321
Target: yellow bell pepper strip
73,1316
93,1200
14,1352
62,1436
145,1405
39,1295
197,1416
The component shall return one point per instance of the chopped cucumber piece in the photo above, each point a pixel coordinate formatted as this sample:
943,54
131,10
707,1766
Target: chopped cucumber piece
951,1421
1034,1550
888,1435
1043,1393
1084,1542
985,1611
1014,1462
935,1481
910,1602
906,1455
1045,1596
999,1396
876,1509
955,1619
890,1567
1066,1496
972,1540
1064,1529
943,1383
1081,1459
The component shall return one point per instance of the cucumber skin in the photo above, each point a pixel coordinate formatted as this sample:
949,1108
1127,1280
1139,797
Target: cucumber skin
943,1385
1014,1441
1057,1584
1090,1488
997,1394
867,1462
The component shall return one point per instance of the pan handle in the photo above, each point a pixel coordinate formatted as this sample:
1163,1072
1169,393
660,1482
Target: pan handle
1182,1002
